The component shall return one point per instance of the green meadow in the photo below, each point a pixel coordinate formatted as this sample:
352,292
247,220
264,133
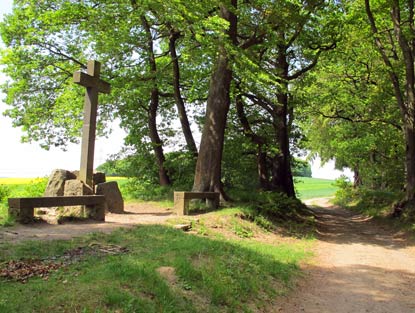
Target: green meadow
309,188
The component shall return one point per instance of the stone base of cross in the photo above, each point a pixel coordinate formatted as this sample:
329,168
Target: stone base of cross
94,85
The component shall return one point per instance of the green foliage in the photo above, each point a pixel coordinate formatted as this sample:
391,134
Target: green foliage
135,188
34,188
364,200
4,193
221,274
301,168
347,106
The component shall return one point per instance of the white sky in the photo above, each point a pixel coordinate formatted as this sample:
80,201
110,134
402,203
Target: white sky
29,160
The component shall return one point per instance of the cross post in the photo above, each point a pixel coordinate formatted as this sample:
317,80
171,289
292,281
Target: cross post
94,85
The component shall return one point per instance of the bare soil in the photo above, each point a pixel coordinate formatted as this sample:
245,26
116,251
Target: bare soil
135,213
361,266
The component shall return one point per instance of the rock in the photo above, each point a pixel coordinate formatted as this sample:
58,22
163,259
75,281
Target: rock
112,193
56,182
99,178
184,227
76,188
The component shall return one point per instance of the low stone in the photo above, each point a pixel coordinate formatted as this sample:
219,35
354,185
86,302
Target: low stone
76,187
112,193
56,183
99,178
184,227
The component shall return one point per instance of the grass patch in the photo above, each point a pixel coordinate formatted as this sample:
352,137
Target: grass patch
211,274
308,188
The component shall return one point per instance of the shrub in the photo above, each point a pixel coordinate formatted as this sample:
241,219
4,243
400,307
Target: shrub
4,193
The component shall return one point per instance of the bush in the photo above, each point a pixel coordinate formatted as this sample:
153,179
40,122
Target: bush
365,200
36,188
135,189
4,193
301,168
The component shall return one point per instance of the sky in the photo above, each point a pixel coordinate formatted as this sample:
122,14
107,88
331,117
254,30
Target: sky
29,160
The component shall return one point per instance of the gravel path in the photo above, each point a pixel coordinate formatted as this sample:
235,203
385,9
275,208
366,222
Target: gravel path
361,266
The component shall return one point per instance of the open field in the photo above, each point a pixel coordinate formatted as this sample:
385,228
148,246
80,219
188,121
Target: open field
308,188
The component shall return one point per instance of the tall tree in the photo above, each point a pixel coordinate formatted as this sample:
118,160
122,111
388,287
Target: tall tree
392,26
346,107
209,163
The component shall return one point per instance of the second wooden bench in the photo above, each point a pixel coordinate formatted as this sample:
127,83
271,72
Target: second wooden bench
182,199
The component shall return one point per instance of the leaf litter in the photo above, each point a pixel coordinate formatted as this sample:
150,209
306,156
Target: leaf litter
22,270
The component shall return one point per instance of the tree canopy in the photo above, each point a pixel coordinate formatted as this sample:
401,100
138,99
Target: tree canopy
261,80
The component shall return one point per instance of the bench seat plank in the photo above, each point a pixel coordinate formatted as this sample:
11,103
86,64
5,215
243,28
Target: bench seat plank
44,202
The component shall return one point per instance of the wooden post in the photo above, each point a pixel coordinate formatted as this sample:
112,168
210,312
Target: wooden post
93,85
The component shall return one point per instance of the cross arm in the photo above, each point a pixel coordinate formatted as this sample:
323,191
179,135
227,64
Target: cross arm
86,80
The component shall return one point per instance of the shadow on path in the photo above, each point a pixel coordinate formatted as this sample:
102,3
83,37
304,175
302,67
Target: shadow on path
361,266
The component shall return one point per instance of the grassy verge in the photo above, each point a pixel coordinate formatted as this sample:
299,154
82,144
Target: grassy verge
308,188
218,268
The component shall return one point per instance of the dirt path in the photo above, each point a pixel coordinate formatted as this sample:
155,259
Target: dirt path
135,213
361,266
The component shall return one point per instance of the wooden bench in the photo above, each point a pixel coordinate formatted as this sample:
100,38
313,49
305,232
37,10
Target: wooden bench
182,199
22,209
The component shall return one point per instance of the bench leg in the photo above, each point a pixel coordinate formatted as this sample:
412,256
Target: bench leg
181,205
213,203
22,215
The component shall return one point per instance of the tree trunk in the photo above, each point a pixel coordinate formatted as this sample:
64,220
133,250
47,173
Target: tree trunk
208,165
410,162
164,178
282,178
357,179
184,121
152,112
263,172
262,164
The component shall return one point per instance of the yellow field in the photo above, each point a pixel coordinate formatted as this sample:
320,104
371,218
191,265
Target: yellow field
17,180
28,180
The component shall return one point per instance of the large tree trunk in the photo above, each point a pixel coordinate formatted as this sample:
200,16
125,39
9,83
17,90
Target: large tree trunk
152,112
282,178
184,121
208,166
209,162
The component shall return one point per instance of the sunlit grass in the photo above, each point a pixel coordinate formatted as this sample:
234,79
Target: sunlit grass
308,188
209,274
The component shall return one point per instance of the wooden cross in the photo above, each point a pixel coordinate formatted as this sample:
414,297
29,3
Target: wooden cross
93,84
